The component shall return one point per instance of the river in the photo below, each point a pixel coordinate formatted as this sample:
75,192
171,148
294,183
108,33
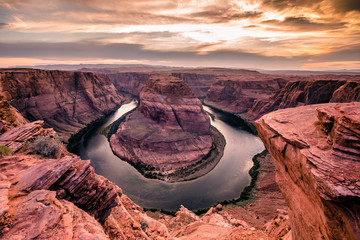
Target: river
225,181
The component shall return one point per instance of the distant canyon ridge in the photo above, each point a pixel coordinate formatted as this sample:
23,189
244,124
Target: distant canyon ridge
68,100
314,150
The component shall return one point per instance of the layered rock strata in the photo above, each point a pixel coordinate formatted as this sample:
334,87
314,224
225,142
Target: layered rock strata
17,137
134,82
307,92
64,199
65,101
238,93
315,151
168,131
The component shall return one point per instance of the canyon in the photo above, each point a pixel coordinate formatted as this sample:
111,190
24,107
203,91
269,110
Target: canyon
169,132
252,96
65,101
63,198
314,150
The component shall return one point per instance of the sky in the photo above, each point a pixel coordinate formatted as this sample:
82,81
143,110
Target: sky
266,34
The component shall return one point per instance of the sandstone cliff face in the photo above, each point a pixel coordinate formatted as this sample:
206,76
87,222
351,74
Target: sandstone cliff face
315,151
199,83
169,130
306,92
238,93
133,82
66,101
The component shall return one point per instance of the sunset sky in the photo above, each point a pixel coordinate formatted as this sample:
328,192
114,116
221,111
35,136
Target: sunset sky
267,34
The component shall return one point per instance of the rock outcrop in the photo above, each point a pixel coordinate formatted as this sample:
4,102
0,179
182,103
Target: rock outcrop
9,116
169,130
315,151
307,92
65,199
16,138
41,216
65,101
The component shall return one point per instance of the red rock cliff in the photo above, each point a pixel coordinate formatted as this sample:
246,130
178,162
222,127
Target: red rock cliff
316,154
237,93
307,92
66,101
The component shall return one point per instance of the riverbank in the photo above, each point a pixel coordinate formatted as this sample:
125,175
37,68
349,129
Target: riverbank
266,201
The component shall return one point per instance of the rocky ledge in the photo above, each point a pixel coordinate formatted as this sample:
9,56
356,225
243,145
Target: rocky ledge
63,198
169,131
315,151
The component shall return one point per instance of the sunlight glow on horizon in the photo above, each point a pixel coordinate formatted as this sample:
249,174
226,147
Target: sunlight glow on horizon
261,29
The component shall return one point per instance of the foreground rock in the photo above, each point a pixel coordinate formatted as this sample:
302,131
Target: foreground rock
315,150
169,130
65,101
16,138
63,198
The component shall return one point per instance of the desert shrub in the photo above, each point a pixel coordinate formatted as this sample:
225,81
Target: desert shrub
46,146
4,151
143,224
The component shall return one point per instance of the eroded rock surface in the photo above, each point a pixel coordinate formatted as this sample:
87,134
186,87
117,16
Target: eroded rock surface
9,116
168,131
41,216
16,138
315,150
307,92
65,101
237,93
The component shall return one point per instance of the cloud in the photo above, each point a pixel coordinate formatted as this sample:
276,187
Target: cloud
3,25
339,6
223,13
346,53
93,50
286,4
346,5
304,24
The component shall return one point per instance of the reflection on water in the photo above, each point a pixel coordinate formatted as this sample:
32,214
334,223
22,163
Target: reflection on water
225,181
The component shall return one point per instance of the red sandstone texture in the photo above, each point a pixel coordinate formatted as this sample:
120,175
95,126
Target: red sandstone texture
301,93
254,94
237,93
316,154
65,101
9,116
168,131
63,198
